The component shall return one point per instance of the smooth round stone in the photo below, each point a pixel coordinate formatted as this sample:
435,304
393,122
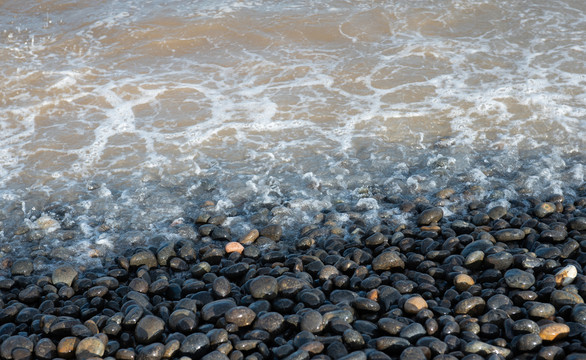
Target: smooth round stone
366,304
65,275
313,347
328,272
541,310
31,294
429,216
66,347
375,240
484,349
353,339
240,315
153,351
182,320
271,322
90,347
97,291
15,342
579,314
391,344
273,232
561,298
577,223
551,353
215,355
527,342
413,332
553,331
497,212
45,349
221,287
413,353
566,275
462,282
139,285
149,329
473,306
509,235
289,286
195,345
474,260
477,245
414,304
544,209
234,246
144,257
498,301
500,261
391,326
312,321
263,287
22,267
519,279
214,310
525,326
342,296
388,260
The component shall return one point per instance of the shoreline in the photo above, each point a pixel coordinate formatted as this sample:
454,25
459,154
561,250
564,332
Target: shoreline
488,280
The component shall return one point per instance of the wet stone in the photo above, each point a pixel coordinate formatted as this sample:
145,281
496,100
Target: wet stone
559,298
195,345
473,306
89,348
312,321
353,339
272,232
22,267
525,326
271,322
413,353
413,332
544,209
509,235
365,304
484,349
541,310
497,212
388,260
553,331
221,287
149,329
65,275
240,315
430,216
153,351
264,287
144,257
566,275
45,349
414,304
391,344
526,343
15,342
182,320
216,309
519,279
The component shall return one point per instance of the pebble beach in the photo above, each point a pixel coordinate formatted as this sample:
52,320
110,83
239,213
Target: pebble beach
497,283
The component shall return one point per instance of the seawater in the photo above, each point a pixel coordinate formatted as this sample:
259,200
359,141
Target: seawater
125,116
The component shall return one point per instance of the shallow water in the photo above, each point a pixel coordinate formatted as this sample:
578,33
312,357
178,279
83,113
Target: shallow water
132,114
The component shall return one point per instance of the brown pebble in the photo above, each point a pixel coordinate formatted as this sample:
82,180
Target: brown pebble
553,331
414,304
66,347
234,247
462,282
373,295
250,237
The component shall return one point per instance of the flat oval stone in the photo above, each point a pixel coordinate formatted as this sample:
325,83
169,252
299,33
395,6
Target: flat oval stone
544,209
366,304
484,349
473,306
561,298
182,320
527,342
152,351
525,326
430,215
414,304
388,260
391,344
240,315
263,287
271,322
144,257
566,275
553,331
519,279
312,321
509,235
212,311
45,349
579,314
541,310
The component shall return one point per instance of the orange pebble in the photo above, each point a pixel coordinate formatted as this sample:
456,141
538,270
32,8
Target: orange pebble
234,247
373,295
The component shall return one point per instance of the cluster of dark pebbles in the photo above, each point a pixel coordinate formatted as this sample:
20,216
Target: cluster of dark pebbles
496,283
